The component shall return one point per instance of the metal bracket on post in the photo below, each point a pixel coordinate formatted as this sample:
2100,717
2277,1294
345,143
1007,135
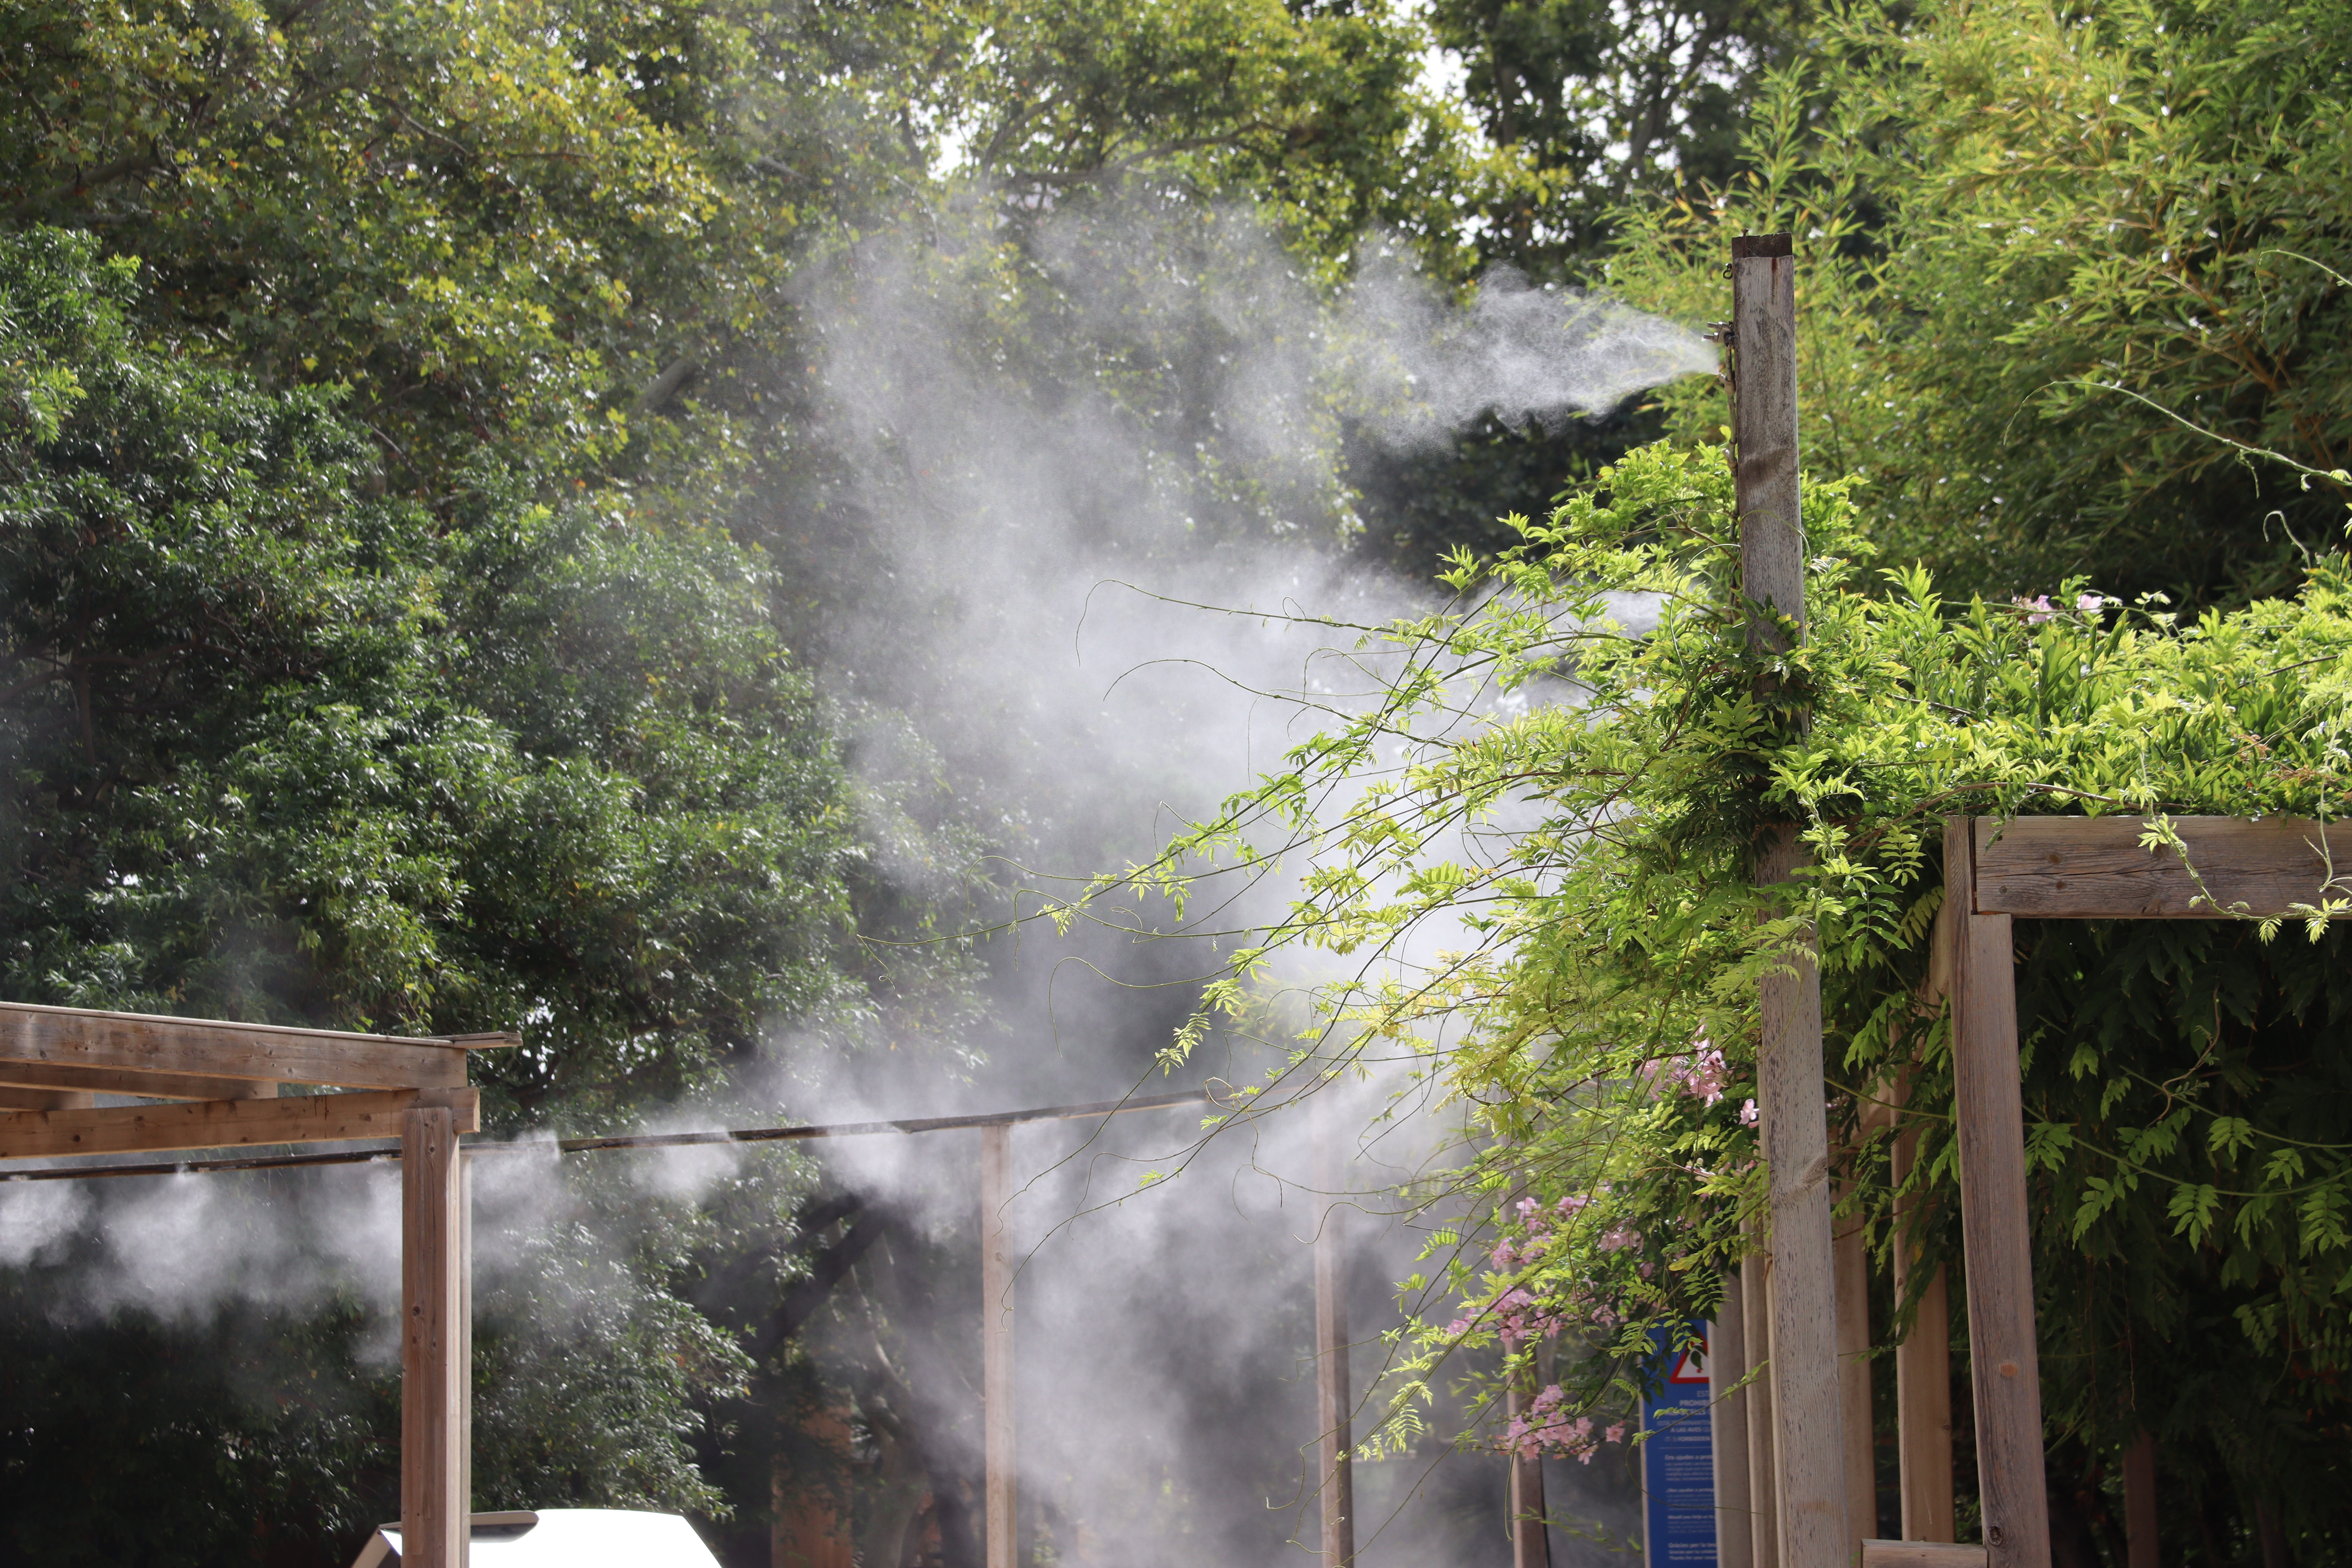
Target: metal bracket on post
1807,1448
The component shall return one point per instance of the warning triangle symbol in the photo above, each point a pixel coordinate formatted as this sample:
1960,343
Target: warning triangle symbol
1690,1366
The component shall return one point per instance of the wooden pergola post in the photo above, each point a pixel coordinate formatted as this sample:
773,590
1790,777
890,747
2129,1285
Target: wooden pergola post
1763,1474
1808,1449
2057,867
1853,1261
201,1083
1996,1221
1001,1509
436,1343
1726,1364
1923,1365
1334,1403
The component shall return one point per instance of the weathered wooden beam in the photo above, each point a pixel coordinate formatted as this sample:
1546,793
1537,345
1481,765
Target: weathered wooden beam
1923,1361
2140,1535
223,1123
1808,1450
2093,867
1764,430
1726,1364
1920,1555
1763,1474
1808,1440
11,1099
1334,1401
1000,1450
1996,1222
121,1080
1855,1409
1531,1531
135,1042
435,1379
1923,1377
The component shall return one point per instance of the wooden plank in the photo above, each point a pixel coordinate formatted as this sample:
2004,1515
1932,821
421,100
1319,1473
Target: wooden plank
1764,425
147,1085
434,1381
1727,1363
45,1098
1763,1474
464,1372
1334,1401
1530,1536
1995,1221
1809,1446
2140,1539
76,1037
2093,867
1923,1398
1000,1450
1923,1373
221,1123
1920,1555
1855,1416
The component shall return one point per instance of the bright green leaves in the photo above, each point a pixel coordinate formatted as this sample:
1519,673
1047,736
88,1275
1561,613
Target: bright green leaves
2046,249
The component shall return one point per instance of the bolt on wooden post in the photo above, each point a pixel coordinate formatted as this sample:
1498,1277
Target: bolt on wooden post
1808,1442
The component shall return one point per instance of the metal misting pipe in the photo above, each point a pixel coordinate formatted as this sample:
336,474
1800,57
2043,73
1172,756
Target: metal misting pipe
626,1141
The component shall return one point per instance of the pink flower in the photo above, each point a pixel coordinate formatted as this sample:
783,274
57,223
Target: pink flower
2037,609
1748,1113
2090,603
1616,1434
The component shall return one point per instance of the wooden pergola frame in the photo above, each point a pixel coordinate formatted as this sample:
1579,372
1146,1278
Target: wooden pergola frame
1995,873
1794,1468
207,1084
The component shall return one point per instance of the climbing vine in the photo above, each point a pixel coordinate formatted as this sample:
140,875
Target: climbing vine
1535,853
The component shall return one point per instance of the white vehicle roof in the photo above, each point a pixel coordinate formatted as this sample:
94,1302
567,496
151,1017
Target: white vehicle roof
565,1538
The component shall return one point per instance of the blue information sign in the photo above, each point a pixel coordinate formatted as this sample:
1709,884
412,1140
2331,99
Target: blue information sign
1679,1460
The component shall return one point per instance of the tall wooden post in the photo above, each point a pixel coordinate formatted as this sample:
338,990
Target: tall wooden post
1334,1403
1923,1378
1995,1220
434,1375
1727,1363
1002,1500
1531,1532
1809,1446
2139,1503
1763,1474
1854,1417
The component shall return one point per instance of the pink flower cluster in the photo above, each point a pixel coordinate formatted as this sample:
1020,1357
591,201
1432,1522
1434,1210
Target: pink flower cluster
1545,1424
2039,608
1701,1073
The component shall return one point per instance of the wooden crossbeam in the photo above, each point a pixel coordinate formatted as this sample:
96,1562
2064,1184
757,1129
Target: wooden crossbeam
119,1081
13,1098
1920,1555
2093,867
226,1123
140,1043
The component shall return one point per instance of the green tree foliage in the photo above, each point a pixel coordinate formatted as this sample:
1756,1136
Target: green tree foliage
2046,251
1587,106
278,750
398,497
1548,892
